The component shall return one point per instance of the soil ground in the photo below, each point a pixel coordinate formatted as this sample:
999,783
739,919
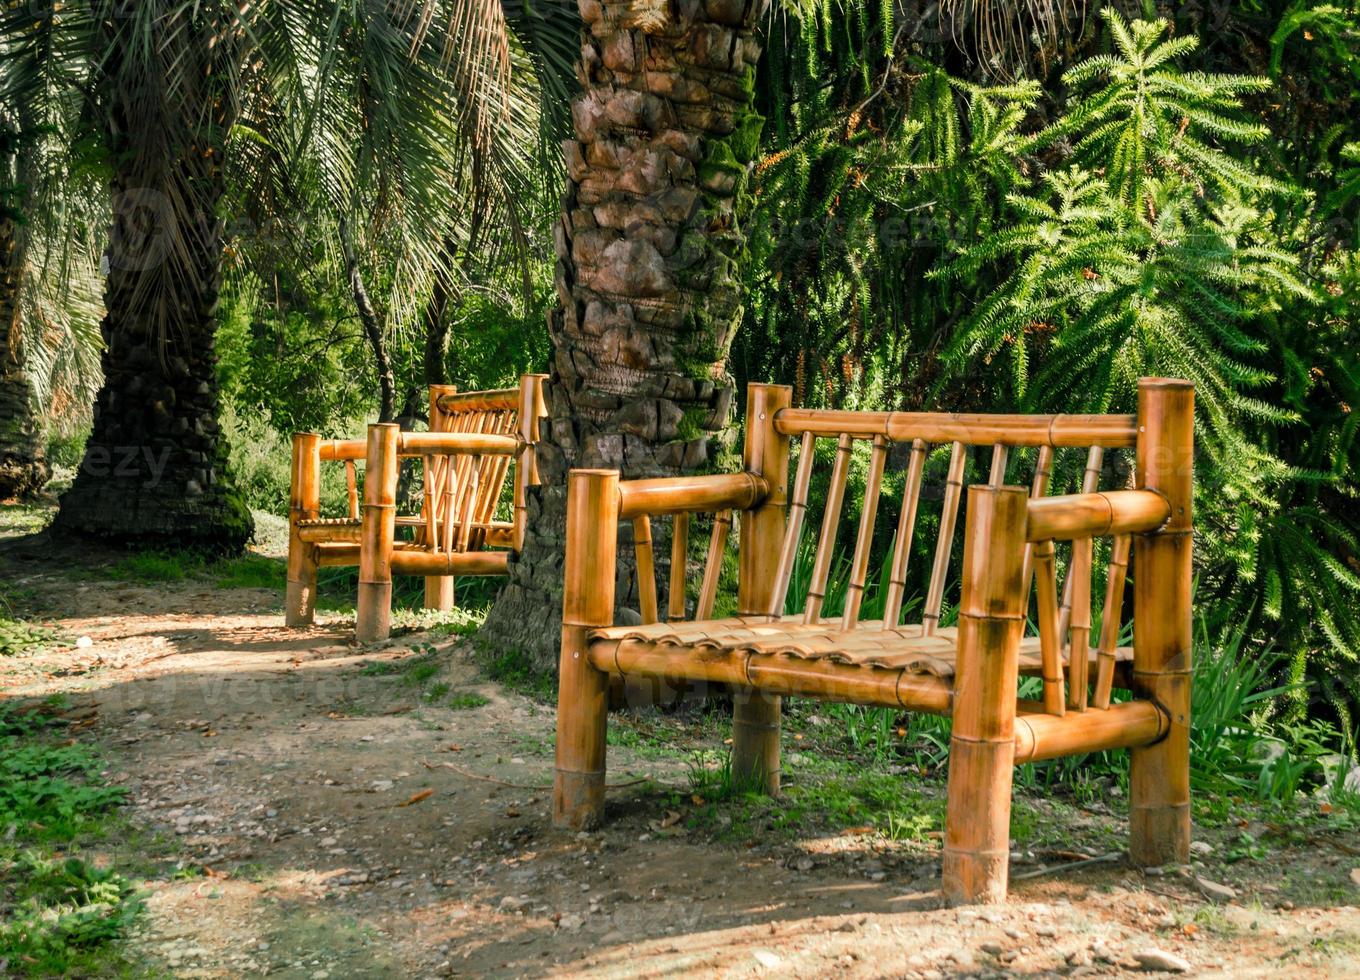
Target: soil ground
303,807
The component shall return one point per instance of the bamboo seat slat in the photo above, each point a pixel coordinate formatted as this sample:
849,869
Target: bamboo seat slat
905,647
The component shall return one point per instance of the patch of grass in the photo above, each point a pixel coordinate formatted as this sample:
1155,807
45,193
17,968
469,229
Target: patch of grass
18,637
64,914
875,802
515,670
417,670
149,567
467,700
459,621
17,519
250,572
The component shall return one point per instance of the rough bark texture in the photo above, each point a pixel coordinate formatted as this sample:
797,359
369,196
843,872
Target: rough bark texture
155,467
23,466
649,295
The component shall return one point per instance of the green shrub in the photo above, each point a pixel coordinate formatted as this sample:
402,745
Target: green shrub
62,914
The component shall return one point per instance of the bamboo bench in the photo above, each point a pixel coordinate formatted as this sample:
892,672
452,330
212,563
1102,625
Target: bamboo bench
969,672
475,439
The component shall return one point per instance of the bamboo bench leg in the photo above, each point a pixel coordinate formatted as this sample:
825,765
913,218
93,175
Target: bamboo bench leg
755,716
373,616
755,741
582,708
982,747
299,605
583,691
1159,776
439,592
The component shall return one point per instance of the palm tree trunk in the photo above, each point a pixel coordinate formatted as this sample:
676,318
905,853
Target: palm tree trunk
648,246
155,468
23,466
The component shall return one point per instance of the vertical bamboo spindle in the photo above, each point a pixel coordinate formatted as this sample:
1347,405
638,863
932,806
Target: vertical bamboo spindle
826,541
859,565
373,617
906,528
953,489
755,716
352,489
587,604
717,544
675,598
1000,455
1043,469
1109,620
451,479
439,589
646,568
526,466
1159,778
982,745
304,505
793,531
1079,646
1050,643
1090,482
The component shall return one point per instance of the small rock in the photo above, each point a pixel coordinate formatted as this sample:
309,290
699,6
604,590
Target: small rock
84,643
1160,959
1214,891
767,959
804,864
995,949
512,903
571,921
1201,847
381,785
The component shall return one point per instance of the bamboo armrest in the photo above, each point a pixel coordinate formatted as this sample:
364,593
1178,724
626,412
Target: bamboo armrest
691,494
341,449
1086,515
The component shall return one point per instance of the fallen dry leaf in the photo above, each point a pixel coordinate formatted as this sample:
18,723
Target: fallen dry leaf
424,794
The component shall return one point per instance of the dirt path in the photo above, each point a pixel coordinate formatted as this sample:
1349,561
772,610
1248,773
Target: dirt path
307,812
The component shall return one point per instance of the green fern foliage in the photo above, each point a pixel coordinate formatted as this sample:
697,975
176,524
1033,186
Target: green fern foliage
1137,114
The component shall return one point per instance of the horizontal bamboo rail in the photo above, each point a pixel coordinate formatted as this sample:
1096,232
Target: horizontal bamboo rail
497,534
973,430
1129,724
412,562
774,674
1096,515
690,494
472,443
496,400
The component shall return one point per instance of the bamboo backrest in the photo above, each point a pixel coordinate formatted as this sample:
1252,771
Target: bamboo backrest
462,491
1028,448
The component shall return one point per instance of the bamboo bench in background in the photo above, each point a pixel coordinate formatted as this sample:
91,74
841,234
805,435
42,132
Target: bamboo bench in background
969,672
476,438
